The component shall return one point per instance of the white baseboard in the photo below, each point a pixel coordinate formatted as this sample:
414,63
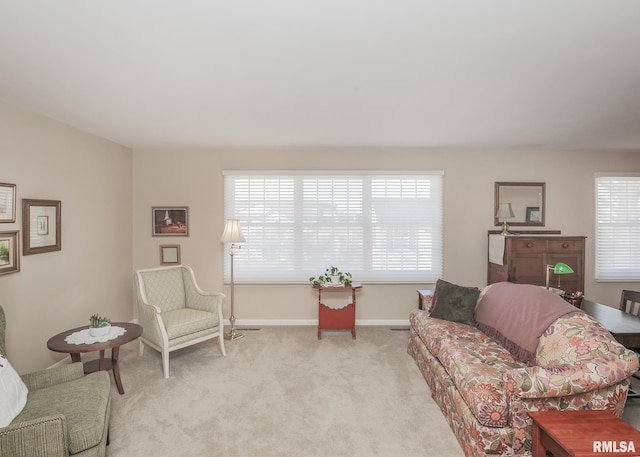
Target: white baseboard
314,322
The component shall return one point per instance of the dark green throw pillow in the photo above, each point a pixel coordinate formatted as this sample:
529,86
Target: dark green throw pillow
455,303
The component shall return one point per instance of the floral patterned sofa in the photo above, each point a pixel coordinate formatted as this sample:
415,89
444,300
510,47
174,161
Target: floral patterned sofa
485,389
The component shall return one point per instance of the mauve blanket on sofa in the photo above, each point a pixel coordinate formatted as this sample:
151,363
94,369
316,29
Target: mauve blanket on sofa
501,314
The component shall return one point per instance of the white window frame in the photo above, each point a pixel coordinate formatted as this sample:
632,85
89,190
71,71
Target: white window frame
617,227
309,231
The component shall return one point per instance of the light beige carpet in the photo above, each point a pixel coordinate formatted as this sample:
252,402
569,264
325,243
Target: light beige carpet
280,392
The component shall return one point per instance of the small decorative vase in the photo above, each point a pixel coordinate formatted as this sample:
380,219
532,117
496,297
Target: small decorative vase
99,331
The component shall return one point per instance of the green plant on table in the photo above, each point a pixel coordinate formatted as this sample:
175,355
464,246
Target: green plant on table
99,321
331,273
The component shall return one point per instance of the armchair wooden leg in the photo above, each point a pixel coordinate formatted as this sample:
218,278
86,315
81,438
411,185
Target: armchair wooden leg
165,363
221,342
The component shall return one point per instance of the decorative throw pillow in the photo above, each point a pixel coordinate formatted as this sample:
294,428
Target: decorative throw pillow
455,303
13,393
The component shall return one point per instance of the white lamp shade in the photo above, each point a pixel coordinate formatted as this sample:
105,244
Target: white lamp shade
504,211
232,232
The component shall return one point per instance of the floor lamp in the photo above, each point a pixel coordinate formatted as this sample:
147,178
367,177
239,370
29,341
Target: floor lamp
232,234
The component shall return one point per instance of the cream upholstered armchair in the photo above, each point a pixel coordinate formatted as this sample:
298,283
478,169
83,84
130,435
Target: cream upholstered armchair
174,312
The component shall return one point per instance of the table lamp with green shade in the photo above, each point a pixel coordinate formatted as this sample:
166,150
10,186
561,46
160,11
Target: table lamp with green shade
558,269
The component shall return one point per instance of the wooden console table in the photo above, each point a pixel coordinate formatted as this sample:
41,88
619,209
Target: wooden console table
582,434
341,318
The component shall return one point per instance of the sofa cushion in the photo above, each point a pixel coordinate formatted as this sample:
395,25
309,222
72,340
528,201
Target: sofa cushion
455,303
83,402
477,370
13,393
474,362
434,332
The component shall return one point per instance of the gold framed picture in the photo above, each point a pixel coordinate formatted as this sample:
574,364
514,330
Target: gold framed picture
169,254
9,254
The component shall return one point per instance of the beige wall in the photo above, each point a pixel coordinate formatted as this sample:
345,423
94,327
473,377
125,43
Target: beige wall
59,290
107,193
194,179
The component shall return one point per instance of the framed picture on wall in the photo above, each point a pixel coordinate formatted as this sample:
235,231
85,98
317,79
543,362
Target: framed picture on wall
9,255
170,220
41,226
169,254
533,214
7,202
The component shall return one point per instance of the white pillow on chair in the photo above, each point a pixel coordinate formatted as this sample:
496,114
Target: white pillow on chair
13,393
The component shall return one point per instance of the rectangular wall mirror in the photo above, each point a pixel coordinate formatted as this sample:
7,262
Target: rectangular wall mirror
527,201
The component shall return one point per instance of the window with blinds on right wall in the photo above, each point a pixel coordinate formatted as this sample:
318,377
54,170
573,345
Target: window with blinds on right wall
617,227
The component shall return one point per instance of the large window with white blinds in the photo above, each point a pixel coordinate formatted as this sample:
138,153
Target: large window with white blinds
617,227
381,227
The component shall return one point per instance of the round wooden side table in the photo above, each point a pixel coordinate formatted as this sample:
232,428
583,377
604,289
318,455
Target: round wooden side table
58,344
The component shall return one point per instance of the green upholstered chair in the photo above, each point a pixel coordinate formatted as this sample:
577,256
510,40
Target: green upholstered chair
174,312
66,413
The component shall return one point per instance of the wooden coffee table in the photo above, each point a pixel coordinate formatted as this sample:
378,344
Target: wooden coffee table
582,434
58,344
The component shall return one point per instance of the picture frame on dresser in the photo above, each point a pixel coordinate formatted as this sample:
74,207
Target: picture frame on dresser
9,253
41,226
7,203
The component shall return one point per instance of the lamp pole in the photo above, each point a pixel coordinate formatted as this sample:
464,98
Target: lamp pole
232,335
232,234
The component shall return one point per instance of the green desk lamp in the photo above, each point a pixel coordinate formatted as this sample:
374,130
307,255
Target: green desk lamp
558,269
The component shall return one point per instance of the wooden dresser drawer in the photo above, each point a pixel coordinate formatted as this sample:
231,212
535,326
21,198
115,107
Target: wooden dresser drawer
529,245
566,245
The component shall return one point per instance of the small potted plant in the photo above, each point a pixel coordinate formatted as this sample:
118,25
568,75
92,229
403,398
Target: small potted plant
332,277
99,326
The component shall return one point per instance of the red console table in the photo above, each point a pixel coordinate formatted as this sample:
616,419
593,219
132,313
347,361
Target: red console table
341,318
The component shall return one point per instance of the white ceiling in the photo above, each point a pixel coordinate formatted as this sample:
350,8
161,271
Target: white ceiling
242,73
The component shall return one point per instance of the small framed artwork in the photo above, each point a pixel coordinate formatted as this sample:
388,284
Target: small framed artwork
7,202
170,220
533,214
169,254
41,226
9,258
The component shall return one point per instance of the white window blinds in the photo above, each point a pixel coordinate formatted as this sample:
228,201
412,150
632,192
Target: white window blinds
379,227
617,228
